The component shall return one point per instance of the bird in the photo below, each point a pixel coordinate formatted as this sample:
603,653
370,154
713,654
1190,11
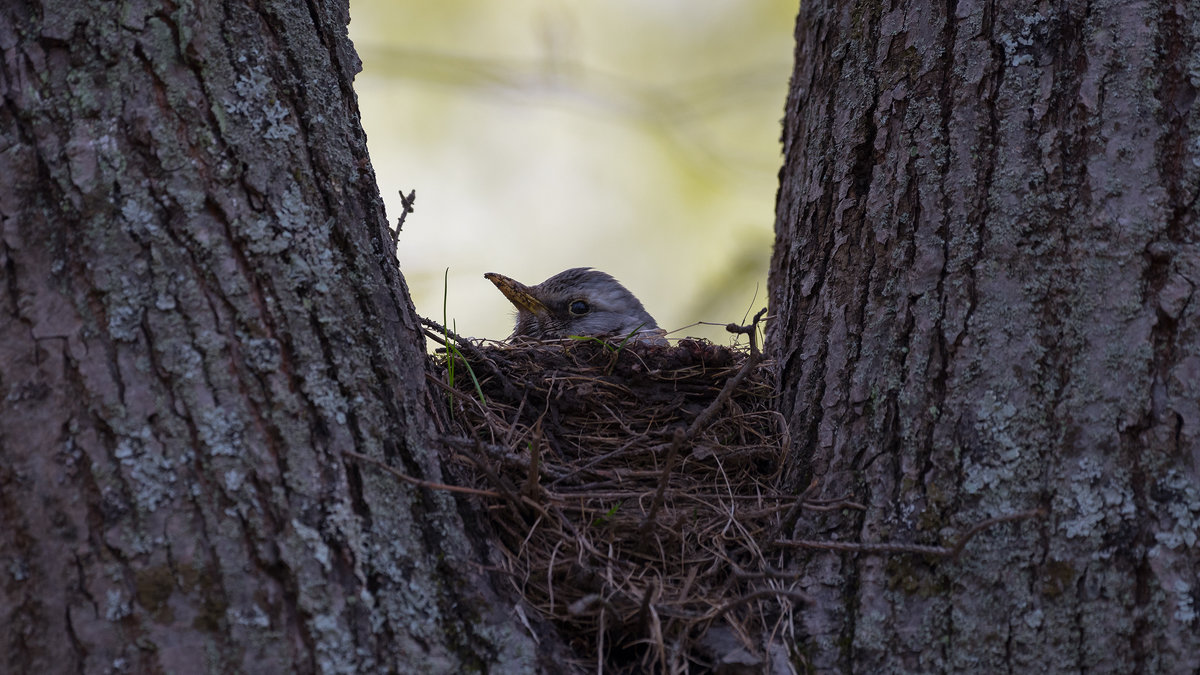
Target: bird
580,301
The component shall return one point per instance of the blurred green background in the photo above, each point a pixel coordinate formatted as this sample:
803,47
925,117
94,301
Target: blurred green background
639,137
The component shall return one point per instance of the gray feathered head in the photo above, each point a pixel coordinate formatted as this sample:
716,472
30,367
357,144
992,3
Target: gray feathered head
578,301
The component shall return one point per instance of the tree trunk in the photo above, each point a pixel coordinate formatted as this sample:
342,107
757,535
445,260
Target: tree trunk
201,313
983,282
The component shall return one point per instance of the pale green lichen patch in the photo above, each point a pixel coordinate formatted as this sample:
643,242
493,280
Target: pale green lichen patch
262,238
255,104
125,301
336,654
233,480
1182,506
324,393
151,474
1095,501
262,355
221,430
318,549
989,469
254,617
116,605
1185,610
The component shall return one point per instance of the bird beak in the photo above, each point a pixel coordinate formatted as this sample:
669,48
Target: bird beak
517,293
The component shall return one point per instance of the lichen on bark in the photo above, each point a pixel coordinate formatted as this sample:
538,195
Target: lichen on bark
978,287
202,310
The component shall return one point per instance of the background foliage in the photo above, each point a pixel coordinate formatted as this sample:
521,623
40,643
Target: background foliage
641,138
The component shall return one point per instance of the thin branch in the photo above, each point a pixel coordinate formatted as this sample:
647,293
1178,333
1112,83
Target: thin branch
983,525
835,506
470,349
407,203
750,330
858,547
417,481
789,519
462,342
734,382
951,552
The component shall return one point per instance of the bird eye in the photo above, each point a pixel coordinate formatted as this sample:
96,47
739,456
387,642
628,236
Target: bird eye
579,307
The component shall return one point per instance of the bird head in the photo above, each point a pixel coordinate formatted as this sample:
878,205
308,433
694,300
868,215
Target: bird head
578,301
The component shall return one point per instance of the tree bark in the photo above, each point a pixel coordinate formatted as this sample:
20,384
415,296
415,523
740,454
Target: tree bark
984,289
201,312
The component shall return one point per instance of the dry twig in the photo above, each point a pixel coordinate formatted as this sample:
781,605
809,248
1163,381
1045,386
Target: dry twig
952,552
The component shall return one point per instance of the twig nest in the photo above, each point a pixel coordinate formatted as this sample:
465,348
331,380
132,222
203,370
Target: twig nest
631,493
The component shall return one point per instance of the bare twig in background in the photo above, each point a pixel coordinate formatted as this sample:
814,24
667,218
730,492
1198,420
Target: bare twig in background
407,203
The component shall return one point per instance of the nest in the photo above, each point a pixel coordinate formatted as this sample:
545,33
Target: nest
630,489
636,497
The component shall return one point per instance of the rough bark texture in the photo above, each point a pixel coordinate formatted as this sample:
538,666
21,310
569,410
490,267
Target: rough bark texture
200,312
984,288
